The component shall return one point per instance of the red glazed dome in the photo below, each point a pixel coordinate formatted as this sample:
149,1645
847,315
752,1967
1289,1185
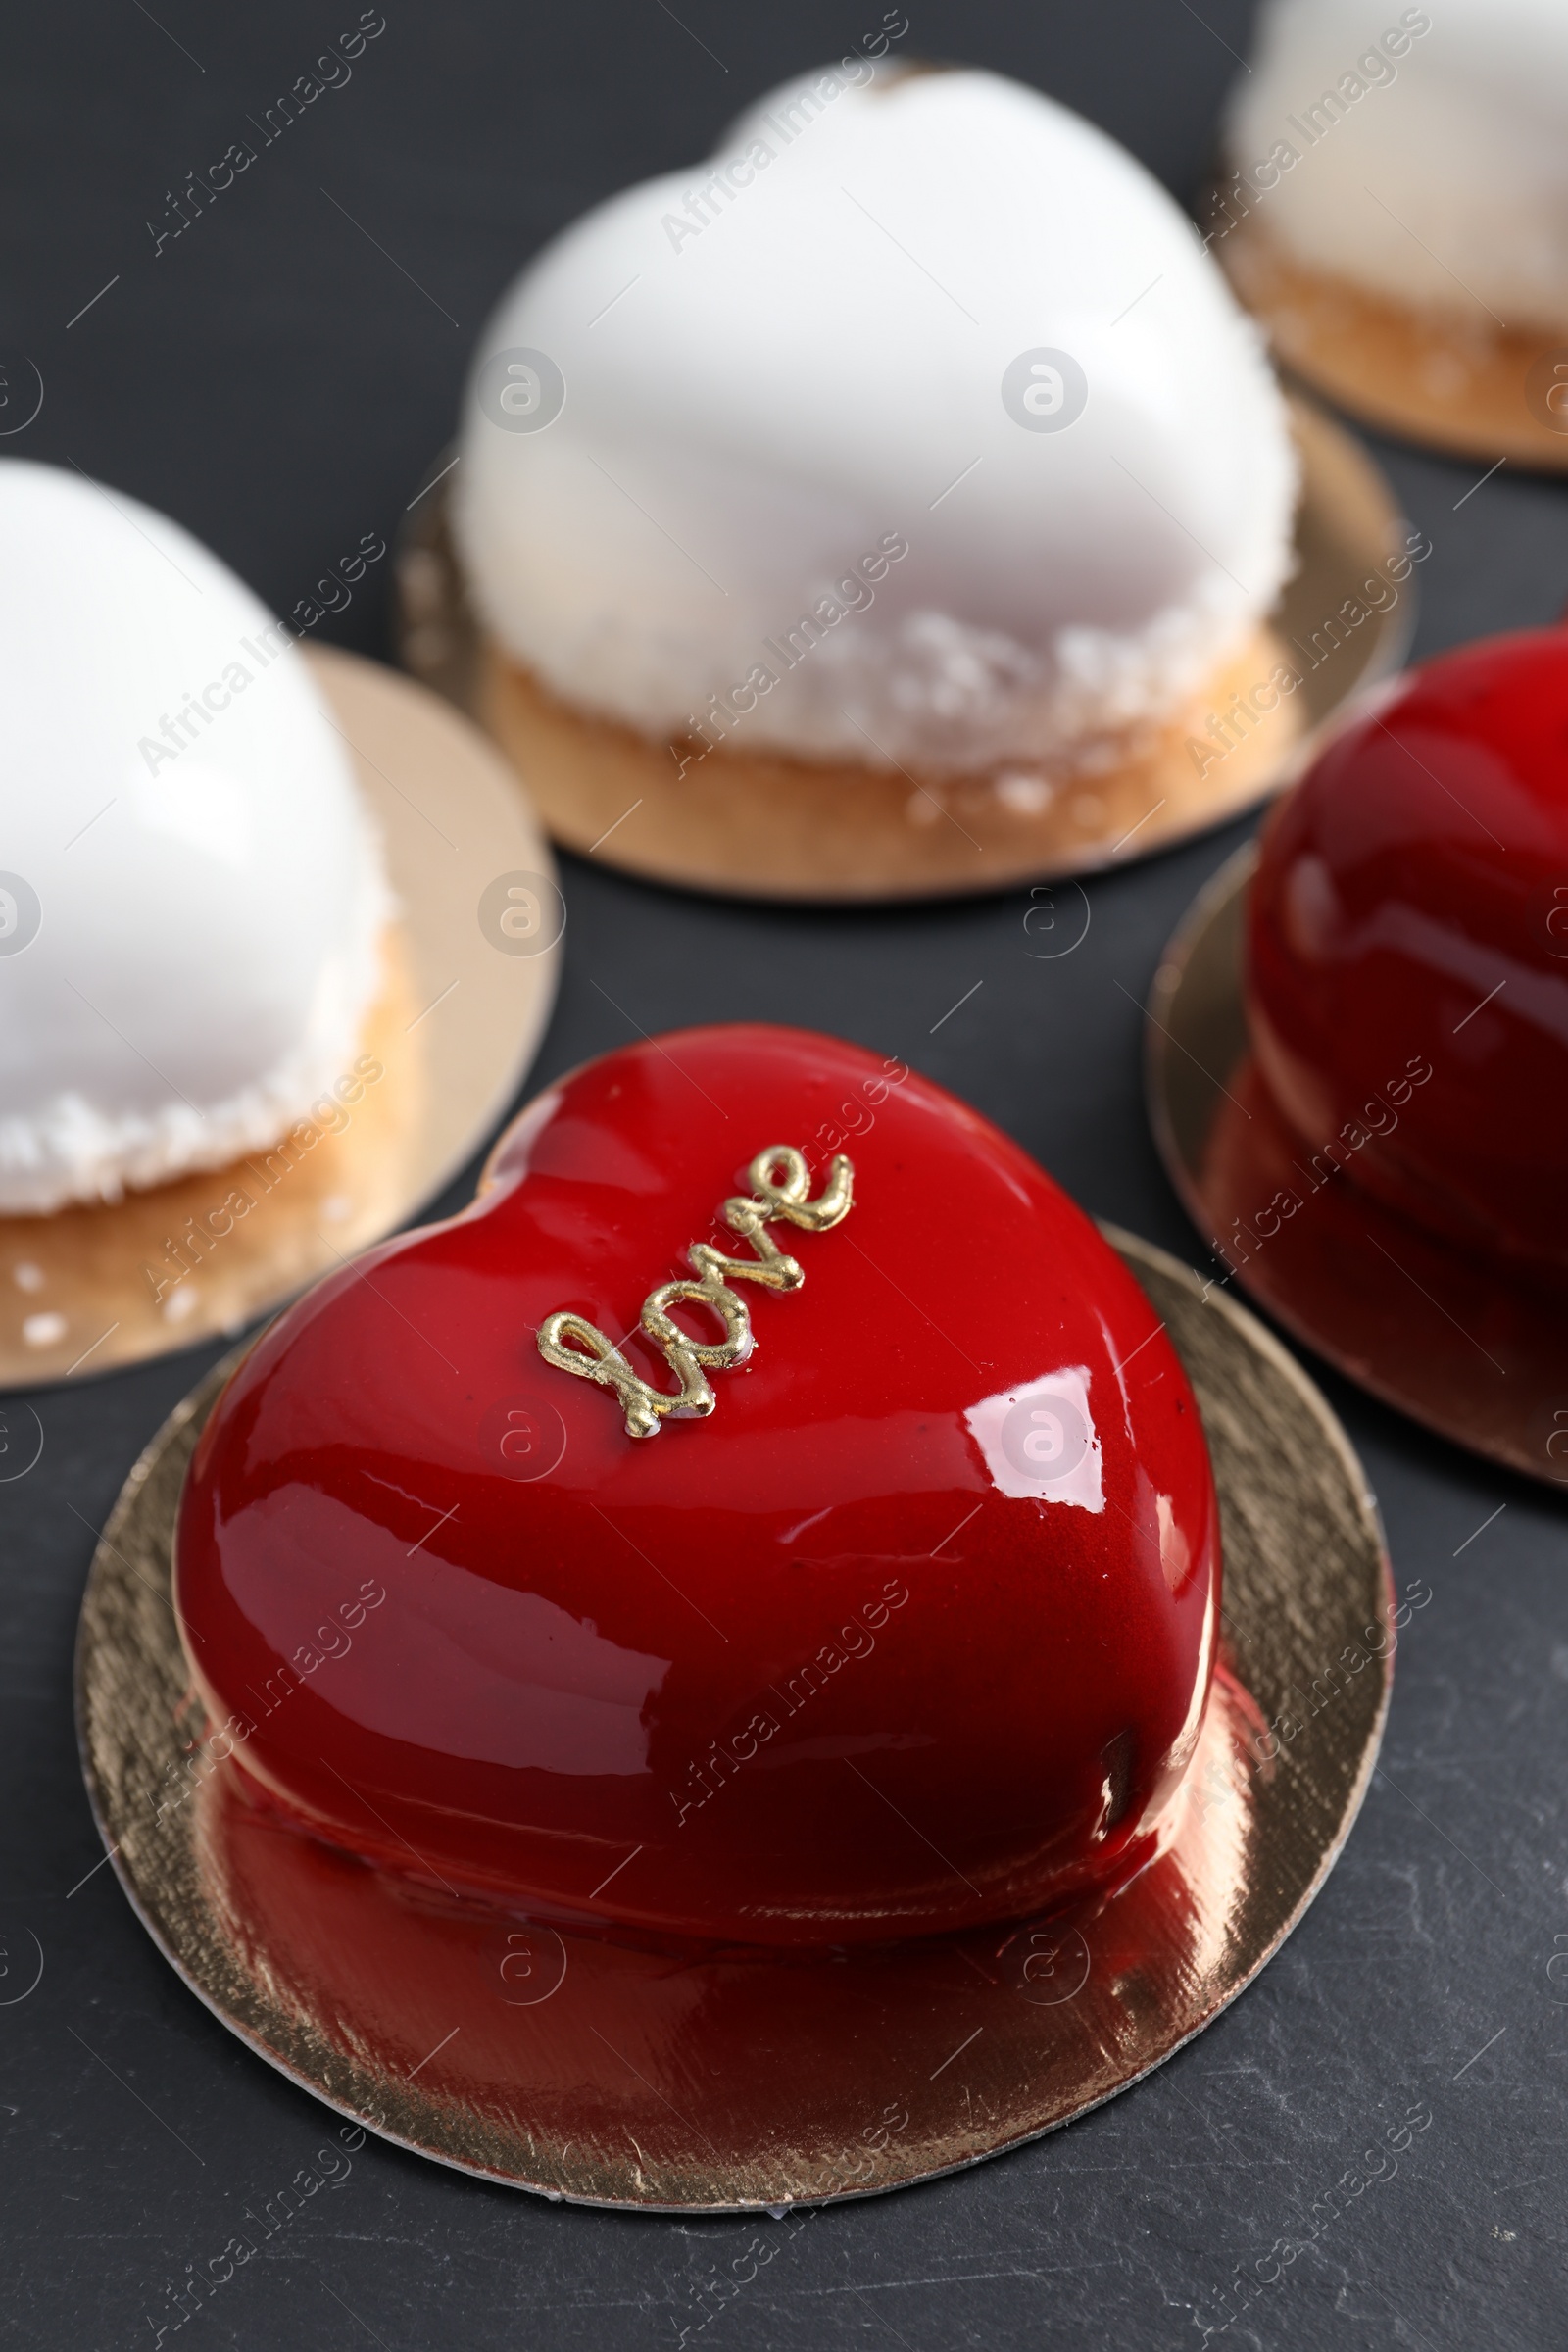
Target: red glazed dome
910,1630
1407,984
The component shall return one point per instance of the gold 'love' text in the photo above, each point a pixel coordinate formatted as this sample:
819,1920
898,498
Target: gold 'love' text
781,1186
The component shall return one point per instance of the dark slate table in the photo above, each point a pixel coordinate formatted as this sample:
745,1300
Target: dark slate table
278,379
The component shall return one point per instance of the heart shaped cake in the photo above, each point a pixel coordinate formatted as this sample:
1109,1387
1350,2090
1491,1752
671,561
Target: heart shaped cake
1407,951
770,1513
905,460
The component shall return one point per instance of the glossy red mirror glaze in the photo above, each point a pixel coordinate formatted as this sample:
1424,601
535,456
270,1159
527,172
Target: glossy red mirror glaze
1407,950
913,1631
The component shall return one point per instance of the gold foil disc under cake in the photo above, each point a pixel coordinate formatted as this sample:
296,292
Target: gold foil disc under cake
618,2072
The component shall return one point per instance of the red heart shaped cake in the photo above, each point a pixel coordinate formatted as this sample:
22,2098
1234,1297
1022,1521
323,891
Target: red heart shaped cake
771,1512
1407,984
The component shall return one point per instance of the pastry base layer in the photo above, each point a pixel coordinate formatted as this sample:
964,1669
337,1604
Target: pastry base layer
195,1256
1479,391
728,819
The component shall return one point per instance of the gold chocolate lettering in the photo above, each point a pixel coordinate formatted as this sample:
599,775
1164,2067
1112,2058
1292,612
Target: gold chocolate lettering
781,1190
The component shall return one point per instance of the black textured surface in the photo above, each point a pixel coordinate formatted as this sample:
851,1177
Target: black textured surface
276,380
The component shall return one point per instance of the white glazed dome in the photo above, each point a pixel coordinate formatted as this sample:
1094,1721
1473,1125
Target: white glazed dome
759,372
1422,153
190,889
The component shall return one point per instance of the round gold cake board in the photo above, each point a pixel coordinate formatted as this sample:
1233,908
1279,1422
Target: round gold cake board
1471,388
766,827
619,2073
469,982
1435,1333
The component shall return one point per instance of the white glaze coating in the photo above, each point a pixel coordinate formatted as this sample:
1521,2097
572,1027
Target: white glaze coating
754,403
1444,183
206,949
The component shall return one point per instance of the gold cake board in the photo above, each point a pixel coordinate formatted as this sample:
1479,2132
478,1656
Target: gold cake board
613,2073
